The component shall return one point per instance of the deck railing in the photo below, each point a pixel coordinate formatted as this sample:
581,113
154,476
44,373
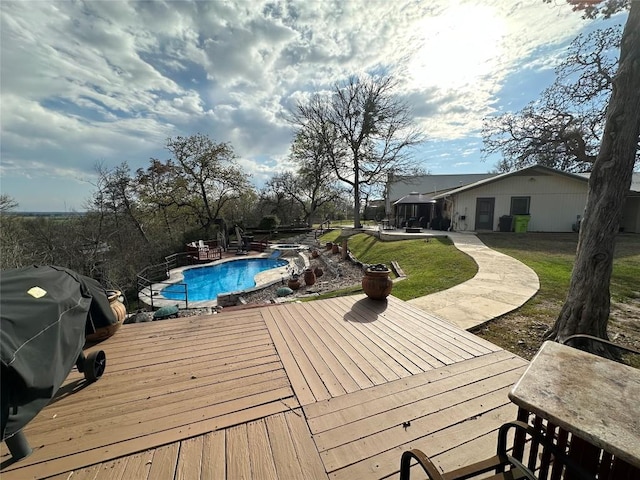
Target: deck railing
152,279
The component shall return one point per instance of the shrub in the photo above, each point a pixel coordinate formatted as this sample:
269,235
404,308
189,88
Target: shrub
269,222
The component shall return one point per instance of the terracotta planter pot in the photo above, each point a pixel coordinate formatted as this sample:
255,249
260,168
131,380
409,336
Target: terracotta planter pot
119,311
318,271
309,277
376,283
335,248
294,283
315,253
329,245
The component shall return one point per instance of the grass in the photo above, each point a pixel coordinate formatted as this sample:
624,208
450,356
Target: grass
430,266
551,256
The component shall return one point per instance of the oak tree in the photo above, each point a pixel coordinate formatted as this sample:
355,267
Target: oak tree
587,306
363,129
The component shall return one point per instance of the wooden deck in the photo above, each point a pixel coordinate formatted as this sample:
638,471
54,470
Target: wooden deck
327,389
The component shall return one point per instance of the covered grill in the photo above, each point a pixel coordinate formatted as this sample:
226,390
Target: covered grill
45,314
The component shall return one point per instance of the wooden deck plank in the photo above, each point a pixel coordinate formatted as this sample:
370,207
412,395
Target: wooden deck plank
176,340
138,465
323,364
216,363
146,334
358,363
48,467
332,357
159,420
407,355
451,335
384,358
285,456
444,352
147,398
357,347
146,330
358,398
190,460
188,351
412,341
238,463
214,465
262,464
385,403
87,473
379,442
296,376
281,317
134,410
164,462
465,442
310,462
410,410
176,343
356,379
220,397
420,333
148,415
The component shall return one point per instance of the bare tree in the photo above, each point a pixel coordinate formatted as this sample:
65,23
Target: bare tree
119,192
314,183
7,203
363,129
587,307
563,128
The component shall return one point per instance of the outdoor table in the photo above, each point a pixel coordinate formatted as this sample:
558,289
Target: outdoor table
592,398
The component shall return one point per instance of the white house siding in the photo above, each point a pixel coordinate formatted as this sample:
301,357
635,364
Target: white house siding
555,201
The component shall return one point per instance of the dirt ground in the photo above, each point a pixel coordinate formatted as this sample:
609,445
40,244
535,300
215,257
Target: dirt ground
523,336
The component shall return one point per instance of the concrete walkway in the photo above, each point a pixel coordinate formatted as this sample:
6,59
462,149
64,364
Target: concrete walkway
501,285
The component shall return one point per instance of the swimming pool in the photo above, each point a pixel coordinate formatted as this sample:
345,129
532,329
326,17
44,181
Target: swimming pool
205,283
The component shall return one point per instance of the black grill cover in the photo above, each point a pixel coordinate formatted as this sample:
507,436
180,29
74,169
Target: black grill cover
45,313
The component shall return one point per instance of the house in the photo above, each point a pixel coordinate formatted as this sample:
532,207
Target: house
410,199
552,199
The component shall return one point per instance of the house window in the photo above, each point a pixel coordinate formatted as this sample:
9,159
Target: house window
520,205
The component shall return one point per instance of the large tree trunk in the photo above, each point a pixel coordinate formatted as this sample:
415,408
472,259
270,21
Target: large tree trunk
586,309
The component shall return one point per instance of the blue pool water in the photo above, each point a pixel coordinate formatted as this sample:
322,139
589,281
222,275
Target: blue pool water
205,283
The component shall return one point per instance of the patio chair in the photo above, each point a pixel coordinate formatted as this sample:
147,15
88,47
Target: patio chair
543,455
620,352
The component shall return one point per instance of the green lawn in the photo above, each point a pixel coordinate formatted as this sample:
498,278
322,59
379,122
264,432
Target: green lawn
551,256
430,265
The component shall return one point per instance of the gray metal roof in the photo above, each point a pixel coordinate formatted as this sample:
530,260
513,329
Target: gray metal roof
432,184
522,171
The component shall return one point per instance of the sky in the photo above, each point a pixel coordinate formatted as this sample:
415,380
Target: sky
88,83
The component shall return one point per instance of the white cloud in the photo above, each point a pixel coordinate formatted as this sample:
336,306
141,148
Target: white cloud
111,80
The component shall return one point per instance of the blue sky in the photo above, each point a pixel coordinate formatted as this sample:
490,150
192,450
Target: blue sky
102,82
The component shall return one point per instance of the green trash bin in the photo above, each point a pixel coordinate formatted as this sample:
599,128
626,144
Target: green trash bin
521,223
